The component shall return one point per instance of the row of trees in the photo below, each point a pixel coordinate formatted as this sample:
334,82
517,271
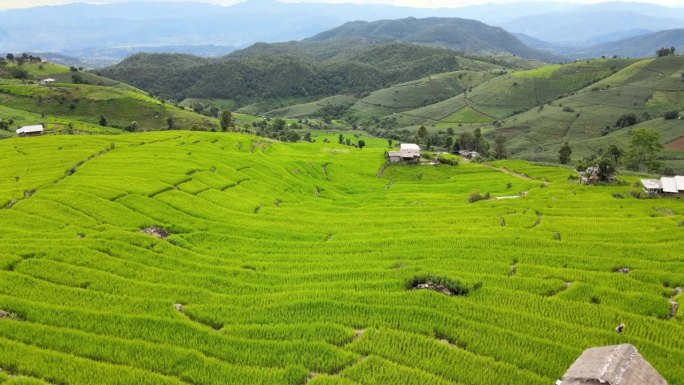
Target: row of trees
665,51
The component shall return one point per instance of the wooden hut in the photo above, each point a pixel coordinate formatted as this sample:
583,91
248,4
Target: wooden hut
612,365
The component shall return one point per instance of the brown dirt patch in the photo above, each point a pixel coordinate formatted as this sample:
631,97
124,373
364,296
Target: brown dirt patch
677,144
156,232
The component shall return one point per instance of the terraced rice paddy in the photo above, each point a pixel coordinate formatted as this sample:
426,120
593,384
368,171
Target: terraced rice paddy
288,263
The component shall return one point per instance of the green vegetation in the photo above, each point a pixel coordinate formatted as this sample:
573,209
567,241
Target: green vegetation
282,263
94,105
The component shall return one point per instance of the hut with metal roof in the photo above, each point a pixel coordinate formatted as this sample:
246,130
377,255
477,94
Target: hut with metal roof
612,365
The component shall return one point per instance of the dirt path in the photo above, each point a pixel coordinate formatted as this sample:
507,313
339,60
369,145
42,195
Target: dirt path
511,172
381,171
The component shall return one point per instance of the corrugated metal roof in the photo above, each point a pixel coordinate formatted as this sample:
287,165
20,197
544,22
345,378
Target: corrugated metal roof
680,182
651,184
669,185
394,153
25,129
612,365
410,146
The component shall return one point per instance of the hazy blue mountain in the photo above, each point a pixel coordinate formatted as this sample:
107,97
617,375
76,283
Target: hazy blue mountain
596,23
637,47
452,33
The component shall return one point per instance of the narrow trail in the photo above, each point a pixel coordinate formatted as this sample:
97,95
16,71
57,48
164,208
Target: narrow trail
511,172
381,171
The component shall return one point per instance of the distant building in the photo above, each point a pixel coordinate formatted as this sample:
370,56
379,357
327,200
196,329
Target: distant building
47,81
664,185
612,365
469,154
31,130
408,153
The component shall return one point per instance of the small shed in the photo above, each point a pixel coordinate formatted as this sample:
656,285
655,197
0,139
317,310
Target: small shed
36,130
408,153
612,365
468,154
47,81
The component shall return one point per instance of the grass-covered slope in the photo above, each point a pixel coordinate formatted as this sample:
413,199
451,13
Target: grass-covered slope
64,106
288,264
648,89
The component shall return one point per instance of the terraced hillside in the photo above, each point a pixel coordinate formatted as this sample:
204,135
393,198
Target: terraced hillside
289,263
67,107
648,89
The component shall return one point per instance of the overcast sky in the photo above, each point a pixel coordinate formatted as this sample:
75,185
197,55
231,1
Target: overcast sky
5,4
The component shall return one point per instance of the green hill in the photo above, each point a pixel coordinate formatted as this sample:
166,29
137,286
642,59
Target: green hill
70,105
205,258
647,89
460,35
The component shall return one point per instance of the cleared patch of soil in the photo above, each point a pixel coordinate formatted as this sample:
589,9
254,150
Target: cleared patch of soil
434,287
677,144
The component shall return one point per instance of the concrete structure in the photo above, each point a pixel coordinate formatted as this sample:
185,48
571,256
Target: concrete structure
612,365
47,81
31,130
664,185
408,153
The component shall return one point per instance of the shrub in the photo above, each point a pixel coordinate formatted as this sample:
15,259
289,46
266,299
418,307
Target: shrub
476,196
442,284
671,115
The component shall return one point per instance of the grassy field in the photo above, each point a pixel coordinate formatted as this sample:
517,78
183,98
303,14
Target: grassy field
288,264
66,107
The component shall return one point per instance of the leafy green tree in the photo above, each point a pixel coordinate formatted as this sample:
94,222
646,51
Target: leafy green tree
103,121
390,142
170,123
614,153
133,127
626,120
307,137
361,144
226,120
448,142
422,133
466,141
606,169
19,73
10,57
500,147
643,150
340,139
565,154
279,124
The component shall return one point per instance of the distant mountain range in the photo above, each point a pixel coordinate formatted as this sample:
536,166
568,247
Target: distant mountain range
105,34
451,33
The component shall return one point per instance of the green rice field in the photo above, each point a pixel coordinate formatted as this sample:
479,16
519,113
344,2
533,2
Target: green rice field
292,264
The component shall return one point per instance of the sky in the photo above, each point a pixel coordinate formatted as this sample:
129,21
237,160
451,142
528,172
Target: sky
8,4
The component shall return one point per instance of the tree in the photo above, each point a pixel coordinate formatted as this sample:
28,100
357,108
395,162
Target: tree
10,57
614,153
643,150
103,121
279,124
606,169
19,73
422,133
389,142
448,142
671,115
626,120
77,79
565,154
500,147
340,139
466,141
226,120
132,127
170,123
361,144
307,137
